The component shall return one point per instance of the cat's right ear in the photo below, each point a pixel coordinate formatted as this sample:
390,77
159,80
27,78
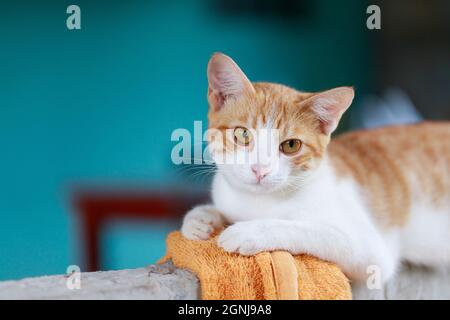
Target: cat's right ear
226,81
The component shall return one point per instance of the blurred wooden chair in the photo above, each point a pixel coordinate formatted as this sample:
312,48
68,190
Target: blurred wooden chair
97,207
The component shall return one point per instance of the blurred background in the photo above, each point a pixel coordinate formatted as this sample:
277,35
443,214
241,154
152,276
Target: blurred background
86,115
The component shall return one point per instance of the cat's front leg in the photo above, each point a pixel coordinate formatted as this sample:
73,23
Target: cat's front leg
353,249
200,222
249,238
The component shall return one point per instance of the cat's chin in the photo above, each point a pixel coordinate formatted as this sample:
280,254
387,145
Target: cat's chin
260,188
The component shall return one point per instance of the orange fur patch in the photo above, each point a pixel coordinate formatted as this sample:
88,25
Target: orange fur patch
397,166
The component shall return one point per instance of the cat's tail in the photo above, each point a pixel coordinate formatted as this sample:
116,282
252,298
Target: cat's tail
393,107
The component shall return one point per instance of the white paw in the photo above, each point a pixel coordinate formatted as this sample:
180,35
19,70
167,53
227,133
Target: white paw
246,238
200,222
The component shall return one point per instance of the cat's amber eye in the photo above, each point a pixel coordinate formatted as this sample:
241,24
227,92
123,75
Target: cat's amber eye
290,147
242,136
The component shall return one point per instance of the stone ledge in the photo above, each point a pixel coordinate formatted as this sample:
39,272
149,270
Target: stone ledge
167,282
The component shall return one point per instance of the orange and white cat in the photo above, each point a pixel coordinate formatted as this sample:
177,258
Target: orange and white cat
367,198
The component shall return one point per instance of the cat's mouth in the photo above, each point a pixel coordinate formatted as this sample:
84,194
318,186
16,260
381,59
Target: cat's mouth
252,184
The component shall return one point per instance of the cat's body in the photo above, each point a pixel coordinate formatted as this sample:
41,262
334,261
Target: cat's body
371,198
384,193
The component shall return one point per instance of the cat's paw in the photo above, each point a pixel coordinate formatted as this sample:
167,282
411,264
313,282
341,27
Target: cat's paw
200,222
245,238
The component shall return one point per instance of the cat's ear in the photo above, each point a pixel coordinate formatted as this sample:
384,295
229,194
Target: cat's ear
225,81
328,106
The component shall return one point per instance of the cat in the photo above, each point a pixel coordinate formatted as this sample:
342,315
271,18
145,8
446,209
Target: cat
366,198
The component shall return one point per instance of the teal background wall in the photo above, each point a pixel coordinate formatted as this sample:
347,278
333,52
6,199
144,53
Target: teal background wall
98,105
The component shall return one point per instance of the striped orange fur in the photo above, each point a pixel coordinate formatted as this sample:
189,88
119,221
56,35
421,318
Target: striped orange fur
396,166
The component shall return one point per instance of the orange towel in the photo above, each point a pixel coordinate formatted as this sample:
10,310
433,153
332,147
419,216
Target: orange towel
267,275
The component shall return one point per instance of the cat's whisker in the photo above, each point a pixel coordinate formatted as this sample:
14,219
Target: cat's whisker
189,171
195,171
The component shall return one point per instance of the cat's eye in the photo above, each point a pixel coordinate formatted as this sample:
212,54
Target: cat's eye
290,147
242,136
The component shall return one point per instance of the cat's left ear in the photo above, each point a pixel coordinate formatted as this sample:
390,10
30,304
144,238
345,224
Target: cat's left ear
328,106
226,81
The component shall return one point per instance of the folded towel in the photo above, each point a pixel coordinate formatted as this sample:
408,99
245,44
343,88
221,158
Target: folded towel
268,275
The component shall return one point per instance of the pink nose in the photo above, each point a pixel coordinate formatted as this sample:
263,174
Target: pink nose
260,172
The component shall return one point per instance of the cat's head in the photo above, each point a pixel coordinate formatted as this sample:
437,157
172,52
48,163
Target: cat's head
266,137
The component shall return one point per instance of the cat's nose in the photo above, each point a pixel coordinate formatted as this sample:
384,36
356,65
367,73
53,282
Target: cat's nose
260,171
